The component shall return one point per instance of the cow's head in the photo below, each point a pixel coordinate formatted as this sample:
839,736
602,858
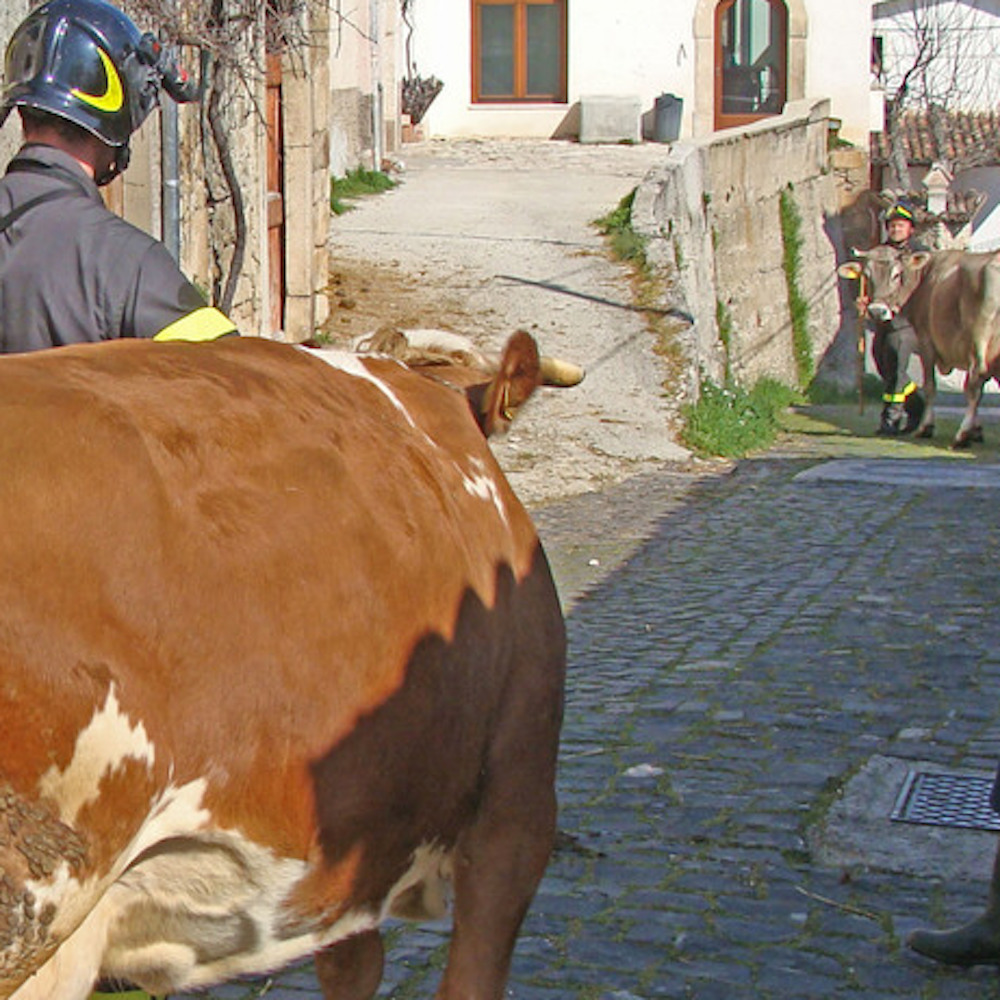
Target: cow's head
890,276
495,386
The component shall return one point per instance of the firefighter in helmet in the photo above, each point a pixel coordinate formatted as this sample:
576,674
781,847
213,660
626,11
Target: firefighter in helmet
895,341
83,79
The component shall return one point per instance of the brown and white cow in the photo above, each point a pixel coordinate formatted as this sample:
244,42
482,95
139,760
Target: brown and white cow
280,655
952,300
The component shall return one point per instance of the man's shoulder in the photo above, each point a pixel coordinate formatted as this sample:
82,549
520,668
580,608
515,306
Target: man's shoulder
114,234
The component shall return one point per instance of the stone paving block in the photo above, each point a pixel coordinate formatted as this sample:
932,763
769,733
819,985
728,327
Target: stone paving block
760,700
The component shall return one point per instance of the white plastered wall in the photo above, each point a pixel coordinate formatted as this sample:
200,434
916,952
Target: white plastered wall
644,48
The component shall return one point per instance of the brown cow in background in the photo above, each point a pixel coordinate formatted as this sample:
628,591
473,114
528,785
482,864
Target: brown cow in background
952,300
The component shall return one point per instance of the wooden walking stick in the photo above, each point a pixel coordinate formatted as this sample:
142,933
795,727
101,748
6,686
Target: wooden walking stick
853,271
862,294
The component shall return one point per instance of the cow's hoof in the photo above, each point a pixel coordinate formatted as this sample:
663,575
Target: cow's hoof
974,435
925,432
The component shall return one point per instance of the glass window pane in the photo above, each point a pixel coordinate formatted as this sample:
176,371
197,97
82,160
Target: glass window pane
496,51
758,29
544,50
751,56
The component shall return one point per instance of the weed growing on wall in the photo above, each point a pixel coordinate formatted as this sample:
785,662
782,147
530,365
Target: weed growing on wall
798,307
649,283
724,322
730,421
626,244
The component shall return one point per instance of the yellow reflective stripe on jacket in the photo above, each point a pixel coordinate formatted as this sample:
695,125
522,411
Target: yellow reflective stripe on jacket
206,323
900,397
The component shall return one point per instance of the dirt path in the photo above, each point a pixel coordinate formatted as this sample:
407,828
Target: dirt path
487,237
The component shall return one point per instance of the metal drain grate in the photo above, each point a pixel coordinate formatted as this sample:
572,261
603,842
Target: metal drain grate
934,799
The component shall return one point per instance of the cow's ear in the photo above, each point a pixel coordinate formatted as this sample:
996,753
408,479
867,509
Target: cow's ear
918,260
852,270
517,377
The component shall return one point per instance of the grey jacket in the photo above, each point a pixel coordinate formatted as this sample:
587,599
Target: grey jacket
70,270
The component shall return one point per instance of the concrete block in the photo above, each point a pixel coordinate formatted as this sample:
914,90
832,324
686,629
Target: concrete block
610,119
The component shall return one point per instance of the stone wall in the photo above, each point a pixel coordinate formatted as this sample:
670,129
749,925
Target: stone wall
712,215
12,12
208,218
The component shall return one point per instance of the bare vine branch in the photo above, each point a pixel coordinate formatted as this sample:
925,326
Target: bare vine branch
230,40
938,62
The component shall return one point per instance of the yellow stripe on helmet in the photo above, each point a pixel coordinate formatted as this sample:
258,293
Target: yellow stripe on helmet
113,97
203,324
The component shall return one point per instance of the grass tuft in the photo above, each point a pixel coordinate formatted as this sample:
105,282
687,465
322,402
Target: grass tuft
730,421
357,184
625,243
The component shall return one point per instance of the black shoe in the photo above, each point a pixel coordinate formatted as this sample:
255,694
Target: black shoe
891,424
977,943
914,407
974,943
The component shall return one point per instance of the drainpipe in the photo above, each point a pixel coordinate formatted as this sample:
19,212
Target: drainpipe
170,179
378,115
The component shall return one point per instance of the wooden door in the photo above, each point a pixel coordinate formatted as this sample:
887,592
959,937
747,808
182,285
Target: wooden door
275,195
751,60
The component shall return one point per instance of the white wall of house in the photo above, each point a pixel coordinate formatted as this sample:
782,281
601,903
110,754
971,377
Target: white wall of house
637,48
838,65
605,58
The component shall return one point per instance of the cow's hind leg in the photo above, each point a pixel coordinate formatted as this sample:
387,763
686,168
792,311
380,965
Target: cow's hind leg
970,429
351,969
500,856
498,865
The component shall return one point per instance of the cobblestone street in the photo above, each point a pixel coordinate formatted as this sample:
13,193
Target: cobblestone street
744,643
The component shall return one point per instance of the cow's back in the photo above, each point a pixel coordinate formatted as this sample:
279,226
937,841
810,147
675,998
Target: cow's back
956,307
271,611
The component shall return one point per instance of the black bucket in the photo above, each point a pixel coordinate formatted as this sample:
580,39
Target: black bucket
667,118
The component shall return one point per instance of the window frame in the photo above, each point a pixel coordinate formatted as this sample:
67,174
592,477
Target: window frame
519,95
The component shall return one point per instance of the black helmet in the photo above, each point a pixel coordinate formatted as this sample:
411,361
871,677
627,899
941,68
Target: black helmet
900,210
84,61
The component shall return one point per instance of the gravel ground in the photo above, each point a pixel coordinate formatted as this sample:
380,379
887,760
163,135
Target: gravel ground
485,237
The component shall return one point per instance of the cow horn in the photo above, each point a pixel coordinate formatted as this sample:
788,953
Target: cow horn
563,374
